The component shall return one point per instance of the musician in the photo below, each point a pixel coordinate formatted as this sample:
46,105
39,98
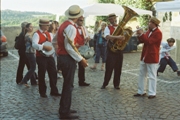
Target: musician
149,58
67,58
81,38
45,63
114,60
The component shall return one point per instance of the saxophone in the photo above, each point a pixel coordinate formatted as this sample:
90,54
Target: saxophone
117,45
72,44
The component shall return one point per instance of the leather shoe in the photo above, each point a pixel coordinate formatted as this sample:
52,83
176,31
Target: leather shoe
178,73
55,94
73,111
117,87
43,95
69,117
103,87
84,84
151,96
139,95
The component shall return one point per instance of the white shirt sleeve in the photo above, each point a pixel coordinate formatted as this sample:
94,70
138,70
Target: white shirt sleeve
87,33
35,40
71,33
106,32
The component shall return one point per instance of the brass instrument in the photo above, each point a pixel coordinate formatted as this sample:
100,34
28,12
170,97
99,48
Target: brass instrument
72,44
121,30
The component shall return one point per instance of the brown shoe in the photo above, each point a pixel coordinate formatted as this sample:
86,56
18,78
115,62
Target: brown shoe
139,95
151,96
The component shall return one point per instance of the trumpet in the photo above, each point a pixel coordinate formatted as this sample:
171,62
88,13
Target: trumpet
141,28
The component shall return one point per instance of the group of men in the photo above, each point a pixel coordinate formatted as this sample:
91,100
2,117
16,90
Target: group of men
72,30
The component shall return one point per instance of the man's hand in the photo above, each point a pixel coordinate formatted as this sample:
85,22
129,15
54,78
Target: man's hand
139,31
120,37
87,39
77,45
47,48
84,62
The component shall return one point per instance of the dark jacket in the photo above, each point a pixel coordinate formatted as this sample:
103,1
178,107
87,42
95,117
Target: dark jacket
97,36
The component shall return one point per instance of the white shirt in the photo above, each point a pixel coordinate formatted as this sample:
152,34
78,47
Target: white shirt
165,49
35,40
70,30
85,30
107,31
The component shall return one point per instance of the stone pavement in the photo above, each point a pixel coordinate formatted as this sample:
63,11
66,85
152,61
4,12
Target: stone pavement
92,103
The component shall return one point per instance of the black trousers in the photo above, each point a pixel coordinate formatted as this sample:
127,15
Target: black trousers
81,73
113,62
47,64
22,62
164,62
68,67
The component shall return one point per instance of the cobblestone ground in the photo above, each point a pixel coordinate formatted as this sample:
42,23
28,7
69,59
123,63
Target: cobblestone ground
92,103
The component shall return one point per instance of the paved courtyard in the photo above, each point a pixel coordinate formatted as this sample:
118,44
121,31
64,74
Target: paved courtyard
92,103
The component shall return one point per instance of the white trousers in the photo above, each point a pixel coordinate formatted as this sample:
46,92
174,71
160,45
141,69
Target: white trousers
151,71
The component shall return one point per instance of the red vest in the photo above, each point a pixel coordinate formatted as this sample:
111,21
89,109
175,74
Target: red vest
60,39
79,38
42,39
111,28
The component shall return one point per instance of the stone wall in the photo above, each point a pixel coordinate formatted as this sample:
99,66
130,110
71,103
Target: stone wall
11,33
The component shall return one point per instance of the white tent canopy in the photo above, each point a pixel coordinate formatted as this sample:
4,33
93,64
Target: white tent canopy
167,6
103,9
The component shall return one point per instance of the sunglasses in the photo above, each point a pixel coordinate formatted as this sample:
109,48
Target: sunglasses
81,20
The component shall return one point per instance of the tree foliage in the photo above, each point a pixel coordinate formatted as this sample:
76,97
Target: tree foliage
142,4
15,18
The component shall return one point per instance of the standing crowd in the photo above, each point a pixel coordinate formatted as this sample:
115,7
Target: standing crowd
54,49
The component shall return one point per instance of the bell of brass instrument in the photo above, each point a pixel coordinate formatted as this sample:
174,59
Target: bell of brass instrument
121,30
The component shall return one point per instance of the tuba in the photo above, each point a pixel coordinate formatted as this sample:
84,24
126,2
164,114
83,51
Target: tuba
117,45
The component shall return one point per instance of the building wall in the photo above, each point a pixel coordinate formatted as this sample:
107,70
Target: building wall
171,29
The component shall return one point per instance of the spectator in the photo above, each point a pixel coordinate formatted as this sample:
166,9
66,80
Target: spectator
101,44
165,58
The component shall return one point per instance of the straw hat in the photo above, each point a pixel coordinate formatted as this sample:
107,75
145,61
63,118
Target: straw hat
155,20
74,11
112,15
44,22
23,24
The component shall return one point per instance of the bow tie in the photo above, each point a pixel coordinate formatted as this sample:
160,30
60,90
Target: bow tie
115,25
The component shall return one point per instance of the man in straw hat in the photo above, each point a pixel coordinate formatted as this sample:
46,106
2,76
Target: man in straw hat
45,63
67,58
114,60
81,39
149,58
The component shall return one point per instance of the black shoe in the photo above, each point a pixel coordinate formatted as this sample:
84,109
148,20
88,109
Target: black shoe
178,73
151,96
73,111
43,95
117,87
84,84
103,87
69,117
139,95
55,94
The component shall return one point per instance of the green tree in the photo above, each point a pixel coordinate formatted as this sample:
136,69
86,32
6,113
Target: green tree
142,4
